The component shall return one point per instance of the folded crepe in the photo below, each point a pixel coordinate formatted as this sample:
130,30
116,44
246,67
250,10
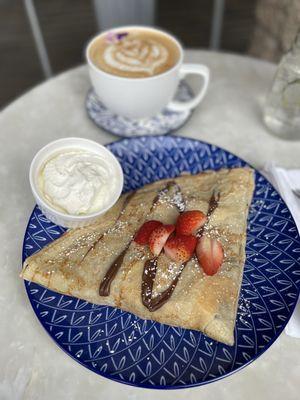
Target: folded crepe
102,264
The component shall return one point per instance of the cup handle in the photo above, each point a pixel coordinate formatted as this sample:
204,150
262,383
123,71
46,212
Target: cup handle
196,69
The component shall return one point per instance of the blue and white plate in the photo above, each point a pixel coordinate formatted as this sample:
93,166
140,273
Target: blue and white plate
128,349
165,122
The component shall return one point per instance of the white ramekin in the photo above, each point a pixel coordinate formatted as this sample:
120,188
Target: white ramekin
58,217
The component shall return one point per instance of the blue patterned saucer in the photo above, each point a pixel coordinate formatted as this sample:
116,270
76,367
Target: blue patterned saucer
119,345
165,122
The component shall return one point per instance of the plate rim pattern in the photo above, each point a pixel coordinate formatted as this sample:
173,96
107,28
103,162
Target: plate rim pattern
156,386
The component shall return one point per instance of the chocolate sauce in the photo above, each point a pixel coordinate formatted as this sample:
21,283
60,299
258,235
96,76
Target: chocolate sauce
149,274
111,273
212,205
161,192
128,198
150,269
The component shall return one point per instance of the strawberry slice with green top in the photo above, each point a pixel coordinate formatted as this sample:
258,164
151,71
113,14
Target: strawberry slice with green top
143,234
210,254
180,248
189,222
158,238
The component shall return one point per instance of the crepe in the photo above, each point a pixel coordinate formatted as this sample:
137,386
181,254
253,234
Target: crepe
78,262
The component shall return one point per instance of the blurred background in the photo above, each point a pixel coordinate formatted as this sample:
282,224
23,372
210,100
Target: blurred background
40,38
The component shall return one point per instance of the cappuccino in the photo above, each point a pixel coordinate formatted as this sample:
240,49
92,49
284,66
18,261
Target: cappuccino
134,53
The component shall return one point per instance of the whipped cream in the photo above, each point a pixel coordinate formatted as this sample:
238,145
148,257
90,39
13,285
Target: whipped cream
136,55
76,182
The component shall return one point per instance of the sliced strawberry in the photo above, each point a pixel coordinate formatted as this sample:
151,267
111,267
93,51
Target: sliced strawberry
210,254
158,238
189,222
143,234
180,248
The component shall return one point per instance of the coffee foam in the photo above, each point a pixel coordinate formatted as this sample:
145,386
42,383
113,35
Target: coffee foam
136,55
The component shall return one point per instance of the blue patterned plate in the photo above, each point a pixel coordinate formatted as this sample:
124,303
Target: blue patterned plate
165,122
123,347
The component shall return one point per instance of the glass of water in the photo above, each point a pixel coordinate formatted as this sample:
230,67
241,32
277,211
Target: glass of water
282,108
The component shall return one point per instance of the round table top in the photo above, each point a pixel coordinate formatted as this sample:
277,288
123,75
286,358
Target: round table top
32,366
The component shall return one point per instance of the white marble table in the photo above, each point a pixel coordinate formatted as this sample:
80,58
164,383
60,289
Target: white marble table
31,365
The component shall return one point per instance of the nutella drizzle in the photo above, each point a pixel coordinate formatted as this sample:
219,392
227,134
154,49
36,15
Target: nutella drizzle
104,288
150,268
148,278
162,192
212,205
111,273
126,201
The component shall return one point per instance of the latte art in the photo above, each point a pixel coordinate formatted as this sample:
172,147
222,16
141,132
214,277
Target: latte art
136,53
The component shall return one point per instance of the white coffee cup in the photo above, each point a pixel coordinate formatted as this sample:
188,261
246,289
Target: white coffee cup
145,97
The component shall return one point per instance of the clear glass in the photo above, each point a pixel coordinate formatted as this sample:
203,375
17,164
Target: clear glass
282,109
